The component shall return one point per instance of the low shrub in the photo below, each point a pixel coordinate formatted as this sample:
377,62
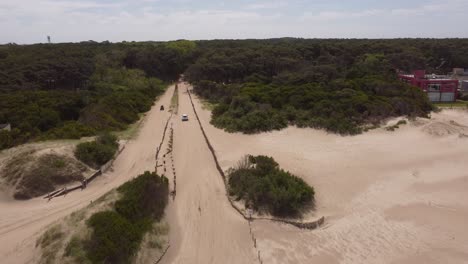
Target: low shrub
98,152
76,249
397,125
117,234
49,242
114,238
260,182
143,197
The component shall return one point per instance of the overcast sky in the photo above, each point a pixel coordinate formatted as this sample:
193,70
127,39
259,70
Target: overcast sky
30,21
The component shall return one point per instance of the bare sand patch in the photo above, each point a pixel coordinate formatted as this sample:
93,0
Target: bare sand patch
445,128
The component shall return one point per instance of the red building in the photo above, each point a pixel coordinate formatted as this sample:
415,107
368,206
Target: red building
438,88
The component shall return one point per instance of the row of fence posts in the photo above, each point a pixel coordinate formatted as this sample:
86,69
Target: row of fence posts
169,152
84,182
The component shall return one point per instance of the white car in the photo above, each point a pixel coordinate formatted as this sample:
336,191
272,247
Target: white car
184,117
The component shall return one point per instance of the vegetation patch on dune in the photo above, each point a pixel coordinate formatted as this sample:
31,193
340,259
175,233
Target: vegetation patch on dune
117,234
48,243
69,247
261,184
34,175
96,153
123,226
174,107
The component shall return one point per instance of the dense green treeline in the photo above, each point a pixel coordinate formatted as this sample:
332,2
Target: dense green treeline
71,90
79,89
54,114
338,85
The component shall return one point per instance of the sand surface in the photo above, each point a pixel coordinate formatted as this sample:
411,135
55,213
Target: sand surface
388,197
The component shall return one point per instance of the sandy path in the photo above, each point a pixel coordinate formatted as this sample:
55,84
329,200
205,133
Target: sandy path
389,197
22,221
204,228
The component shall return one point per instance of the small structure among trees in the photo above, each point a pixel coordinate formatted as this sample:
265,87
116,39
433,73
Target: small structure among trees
6,127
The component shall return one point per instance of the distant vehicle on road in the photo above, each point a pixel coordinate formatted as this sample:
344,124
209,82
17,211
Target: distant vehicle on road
184,117
161,108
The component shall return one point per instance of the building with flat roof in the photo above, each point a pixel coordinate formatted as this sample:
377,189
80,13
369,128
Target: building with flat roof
439,88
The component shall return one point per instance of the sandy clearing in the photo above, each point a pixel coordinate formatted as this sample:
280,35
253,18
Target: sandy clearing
204,228
22,221
375,189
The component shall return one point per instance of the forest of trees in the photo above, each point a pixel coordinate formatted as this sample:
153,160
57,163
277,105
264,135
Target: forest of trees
70,90
67,91
337,85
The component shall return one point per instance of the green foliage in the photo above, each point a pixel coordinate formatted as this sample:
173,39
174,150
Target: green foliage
337,85
50,236
72,90
98,152
143,198
114,238
76,249
262,184
48,243
396,126
118,234
69,130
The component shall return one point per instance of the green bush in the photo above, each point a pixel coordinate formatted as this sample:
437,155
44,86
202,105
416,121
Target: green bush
262,184
77,250
143,197
98,152
117,235
114,238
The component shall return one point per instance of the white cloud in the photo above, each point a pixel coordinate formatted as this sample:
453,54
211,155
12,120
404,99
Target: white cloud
29,21
267,5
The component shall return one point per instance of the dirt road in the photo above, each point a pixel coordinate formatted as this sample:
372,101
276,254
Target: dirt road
22,221
204,228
